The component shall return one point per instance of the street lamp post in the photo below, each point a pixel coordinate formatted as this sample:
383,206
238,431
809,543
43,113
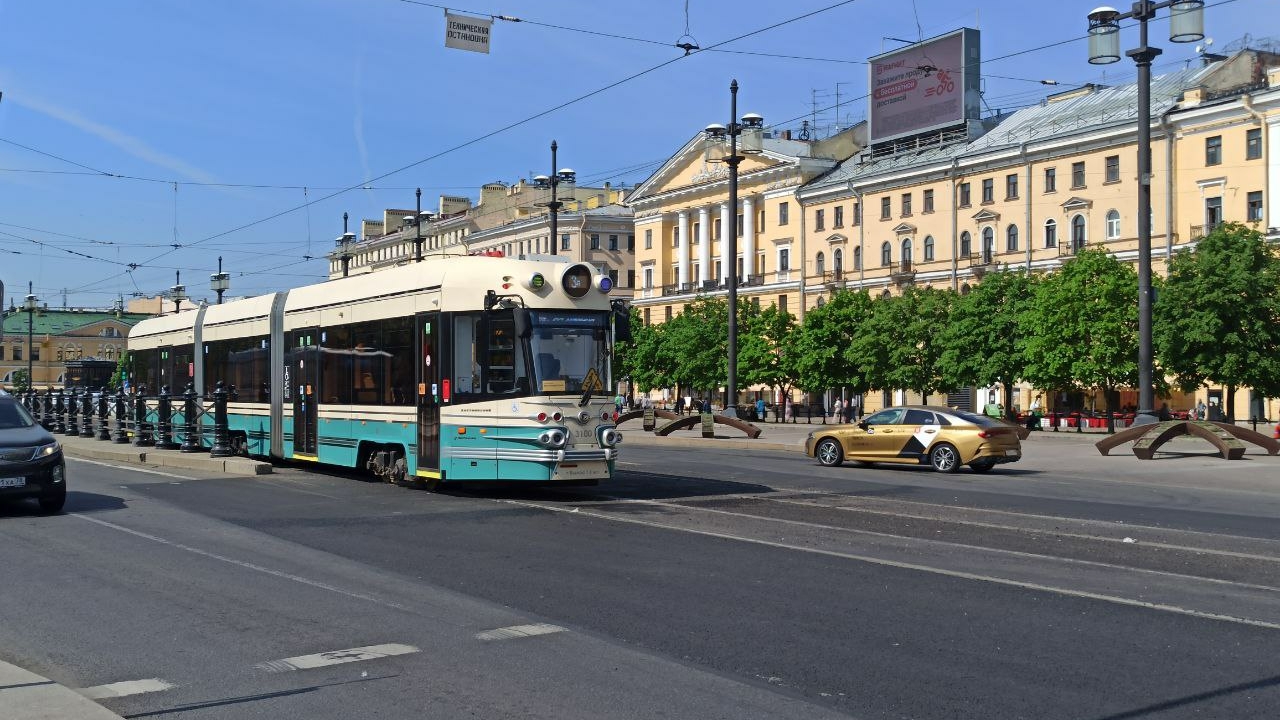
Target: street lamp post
220,281
178,292
565,176
417,228
344,245
722,146
1186,24
29,304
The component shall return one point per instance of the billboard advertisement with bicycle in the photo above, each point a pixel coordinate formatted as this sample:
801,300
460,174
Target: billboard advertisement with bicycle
928,86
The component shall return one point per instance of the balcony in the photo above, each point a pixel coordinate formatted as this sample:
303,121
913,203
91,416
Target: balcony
903,272
980,263
832,280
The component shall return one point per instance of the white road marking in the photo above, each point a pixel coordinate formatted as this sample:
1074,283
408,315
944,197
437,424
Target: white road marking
519,631
922,568
336,657
123,689
243,564
131,468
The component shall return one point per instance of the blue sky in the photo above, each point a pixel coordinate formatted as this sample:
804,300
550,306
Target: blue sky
327,94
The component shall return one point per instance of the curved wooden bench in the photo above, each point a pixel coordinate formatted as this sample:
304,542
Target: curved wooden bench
686,423
639,415
1224,437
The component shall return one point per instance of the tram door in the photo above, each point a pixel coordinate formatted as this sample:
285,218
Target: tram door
429,393
302,380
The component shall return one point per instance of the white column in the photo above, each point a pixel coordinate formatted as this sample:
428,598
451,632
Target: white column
704,245
748,237
682,248
724,243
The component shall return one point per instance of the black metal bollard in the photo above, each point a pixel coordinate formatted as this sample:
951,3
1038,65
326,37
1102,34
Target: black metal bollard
141,428
46,419
73,413
191,442
86,412
1080,423
59,414
221,434
120,436
104,422
164,422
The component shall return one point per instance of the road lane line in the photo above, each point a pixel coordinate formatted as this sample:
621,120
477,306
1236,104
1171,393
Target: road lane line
126,688
131,468
519,631
242,563
961,574
336,657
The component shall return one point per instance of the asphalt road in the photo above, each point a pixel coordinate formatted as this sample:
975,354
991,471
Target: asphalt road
699,584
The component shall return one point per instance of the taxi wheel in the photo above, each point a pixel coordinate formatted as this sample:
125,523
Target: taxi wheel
944,458
829,452
982,466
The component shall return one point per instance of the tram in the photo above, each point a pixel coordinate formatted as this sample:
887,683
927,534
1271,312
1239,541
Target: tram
457,369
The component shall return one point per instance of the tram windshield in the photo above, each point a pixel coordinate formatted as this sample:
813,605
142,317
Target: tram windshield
570,351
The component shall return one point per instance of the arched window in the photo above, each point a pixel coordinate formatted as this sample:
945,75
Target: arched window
906,253
964,289
1011,239
886,294
886,254
821,302
1113,224
1078,236
928,248
837,262
966,244
988,244
857,258
1050,233
820,264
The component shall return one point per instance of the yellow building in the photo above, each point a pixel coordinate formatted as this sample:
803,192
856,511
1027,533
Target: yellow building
59,336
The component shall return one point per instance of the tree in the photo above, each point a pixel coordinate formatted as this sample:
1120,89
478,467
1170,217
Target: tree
695,344
1216,316
983,343
824,355
767,347
21,383
1081,326
123,366
900,344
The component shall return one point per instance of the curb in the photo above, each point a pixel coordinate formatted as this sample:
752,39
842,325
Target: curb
719,443
25,695
170,459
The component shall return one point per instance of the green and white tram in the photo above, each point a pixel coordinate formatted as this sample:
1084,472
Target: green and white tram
457,369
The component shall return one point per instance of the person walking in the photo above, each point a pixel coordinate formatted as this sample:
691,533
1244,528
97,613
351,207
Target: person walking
680,405
1200,410
837,408
760,409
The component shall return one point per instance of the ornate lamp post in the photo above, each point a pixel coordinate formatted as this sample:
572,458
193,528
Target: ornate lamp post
1186,24
29,304
178,292
220,281
417,228
722,146
563,176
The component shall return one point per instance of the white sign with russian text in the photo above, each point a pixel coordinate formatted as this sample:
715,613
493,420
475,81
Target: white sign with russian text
467,33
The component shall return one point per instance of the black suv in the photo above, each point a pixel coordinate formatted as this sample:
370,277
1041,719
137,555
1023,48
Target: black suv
31,464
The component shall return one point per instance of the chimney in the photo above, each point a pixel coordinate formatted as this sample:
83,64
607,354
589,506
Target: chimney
786,134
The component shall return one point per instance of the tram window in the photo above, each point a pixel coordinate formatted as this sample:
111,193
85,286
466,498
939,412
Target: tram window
397,340
369,361
335,365
466,367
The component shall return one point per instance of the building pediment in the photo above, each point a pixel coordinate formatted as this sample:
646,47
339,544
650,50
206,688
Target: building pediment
688,168
837,239
986,215
904,229
1077,203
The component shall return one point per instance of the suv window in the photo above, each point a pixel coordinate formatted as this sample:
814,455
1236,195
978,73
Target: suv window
13,415
919,417
892,416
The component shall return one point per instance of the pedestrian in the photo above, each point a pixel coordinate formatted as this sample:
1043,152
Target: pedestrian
1200,410
836,408
1164,414
760,409
848,412
680,405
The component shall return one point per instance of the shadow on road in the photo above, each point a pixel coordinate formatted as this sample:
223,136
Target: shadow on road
1154,708
77,501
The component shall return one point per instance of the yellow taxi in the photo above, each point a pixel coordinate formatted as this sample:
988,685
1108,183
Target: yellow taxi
918,435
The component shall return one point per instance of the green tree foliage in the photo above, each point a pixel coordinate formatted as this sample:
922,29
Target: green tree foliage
766,347
123,366
1216,316
824,355
640,358
694,348
899,346
1081,326
21,383
983,342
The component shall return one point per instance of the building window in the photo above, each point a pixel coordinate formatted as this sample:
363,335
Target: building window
1113,168
760,224
613,242
782,303
675,237
1113,224
784,213
966,244
819,219
17,352
648,239
988,190
564,241
1253,211
928,248
1,352
740,224
1212,213
837,262
1011,186
928,201
1077,175
631,278
837,216
1213,150
1011,239
906,204
820,264
1050,180
595,241
857,258
965,198
613,277
631,243
1050,233
697,233
886,211
906,253
717,232
857,214
1078,237
1253,144
988,244
886,255
668,313
647,319
784,260
648,278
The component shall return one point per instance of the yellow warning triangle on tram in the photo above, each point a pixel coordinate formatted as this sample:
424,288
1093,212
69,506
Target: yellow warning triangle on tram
592,381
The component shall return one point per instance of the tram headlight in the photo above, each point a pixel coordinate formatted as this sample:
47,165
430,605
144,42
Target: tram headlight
552,438
610,437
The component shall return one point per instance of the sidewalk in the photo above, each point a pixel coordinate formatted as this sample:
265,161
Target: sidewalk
27,696
105,450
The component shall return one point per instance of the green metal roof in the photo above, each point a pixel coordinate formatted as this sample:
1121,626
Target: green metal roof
61,322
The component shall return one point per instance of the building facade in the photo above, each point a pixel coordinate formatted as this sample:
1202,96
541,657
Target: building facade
60,336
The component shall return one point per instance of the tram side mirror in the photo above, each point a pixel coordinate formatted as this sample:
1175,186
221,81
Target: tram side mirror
863,424
524,330
621,323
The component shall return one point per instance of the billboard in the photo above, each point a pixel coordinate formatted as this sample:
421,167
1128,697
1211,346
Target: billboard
927,86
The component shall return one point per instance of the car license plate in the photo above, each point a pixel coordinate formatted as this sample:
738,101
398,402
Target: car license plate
13,482
1013,453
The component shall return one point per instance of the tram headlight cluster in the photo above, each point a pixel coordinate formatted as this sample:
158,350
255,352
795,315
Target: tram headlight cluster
610,437
553,438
